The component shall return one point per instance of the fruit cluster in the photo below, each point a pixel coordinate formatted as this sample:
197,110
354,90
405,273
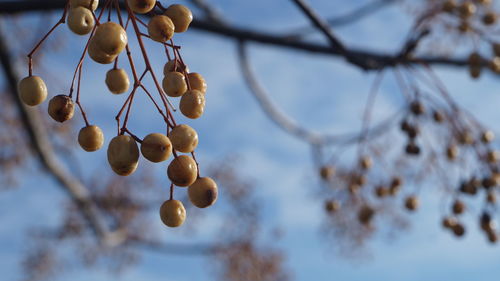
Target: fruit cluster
106,41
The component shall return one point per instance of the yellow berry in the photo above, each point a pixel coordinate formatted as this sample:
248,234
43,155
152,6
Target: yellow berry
180,15
182,171
192,104
203,192
123,155
117,81
98,55
32,90
91,138
61,108
174,66
172,213
141,6
88,4
174,84
110,38
156,147
197,82
161,28
80,20
184,138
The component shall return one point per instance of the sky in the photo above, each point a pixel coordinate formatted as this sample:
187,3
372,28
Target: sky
316,90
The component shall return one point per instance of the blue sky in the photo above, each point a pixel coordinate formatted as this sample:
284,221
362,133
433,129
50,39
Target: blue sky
316,90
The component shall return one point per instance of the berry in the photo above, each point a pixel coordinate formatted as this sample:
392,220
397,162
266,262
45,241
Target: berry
181,16
458,207
452,152
411,203
174,66
80,20
110,38
496,48
172,213
458,229
117,81
192,104
161,28
174,84
91,138
467,9
487,136
184,138
381,191
98,55
141,6
182,171
61,108
491,197
156,147
365,163
365,214
32,90
123,155
203,192
332,206
326,172
197,82
88,4
492,156
417,108
489,18
449,6
438,117
448,222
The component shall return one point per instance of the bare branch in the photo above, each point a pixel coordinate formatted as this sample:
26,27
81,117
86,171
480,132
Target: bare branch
289,125
42,146
365,59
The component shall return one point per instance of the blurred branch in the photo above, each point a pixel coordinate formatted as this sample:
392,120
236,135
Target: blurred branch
42,146
364,59
348,18
289,125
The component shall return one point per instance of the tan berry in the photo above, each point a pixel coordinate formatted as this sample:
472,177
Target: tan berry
117,81
495,65
452,152
161,28
141,6
98,55
156,147
174,66
458,229
458,207
411,203
61,108
172,213
489,18
184,138
203,192
110,38
365,162
448,222
91,138
467,9
192,104
332,206
181,16
197,82
174,84
88,4
449,6
381,191
123,155
365,214
80,20
327,172
32,90
182,171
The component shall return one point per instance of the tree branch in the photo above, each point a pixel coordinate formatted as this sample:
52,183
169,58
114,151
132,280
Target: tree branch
41,145
291,126
370,60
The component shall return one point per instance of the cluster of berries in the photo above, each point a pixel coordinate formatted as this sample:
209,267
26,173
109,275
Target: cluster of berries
106,42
